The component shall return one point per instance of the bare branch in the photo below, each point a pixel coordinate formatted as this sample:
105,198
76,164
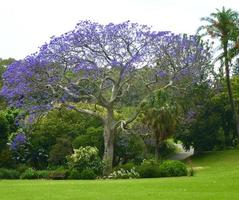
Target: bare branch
85,111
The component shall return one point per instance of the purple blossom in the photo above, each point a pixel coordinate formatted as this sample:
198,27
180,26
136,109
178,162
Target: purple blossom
85,63
18,140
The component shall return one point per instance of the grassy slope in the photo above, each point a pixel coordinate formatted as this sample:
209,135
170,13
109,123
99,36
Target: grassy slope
217,179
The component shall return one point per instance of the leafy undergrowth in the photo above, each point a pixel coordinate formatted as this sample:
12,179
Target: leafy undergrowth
216,178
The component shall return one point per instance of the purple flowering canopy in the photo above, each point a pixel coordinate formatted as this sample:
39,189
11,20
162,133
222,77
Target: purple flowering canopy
98,64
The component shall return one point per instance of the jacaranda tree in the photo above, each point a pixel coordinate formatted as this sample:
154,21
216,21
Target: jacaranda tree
91,69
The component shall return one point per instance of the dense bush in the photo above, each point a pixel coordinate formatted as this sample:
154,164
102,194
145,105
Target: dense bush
209,125
127,166
85,174
88,174
6,159
59,174
74,174
85,158
166,148
149,169
9,174
29,174
172,168
59,151
22,168
130,148
4,130
43,174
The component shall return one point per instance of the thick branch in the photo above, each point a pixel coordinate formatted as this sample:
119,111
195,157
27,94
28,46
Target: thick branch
85,111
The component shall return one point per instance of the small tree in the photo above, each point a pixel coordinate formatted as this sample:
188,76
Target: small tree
160,112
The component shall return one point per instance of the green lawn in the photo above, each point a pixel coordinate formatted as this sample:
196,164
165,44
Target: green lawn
217,177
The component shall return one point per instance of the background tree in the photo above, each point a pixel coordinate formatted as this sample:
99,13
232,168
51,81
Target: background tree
224,25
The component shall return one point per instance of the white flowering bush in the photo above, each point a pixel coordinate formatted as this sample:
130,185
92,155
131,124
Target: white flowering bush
124,174
85,158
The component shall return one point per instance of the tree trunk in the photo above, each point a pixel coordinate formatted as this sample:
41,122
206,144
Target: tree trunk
108,142
229,89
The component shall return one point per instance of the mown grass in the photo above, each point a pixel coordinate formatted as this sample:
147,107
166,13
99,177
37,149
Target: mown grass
216,178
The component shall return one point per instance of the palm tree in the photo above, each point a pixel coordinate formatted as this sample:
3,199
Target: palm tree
160,116
224,25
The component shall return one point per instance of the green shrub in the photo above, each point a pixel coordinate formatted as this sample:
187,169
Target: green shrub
9,174
59,151
59,174
166,147
172,168
29,174
148,170
43,174
88,174
6,160
85,158
74,174
22,168
130,148
127,166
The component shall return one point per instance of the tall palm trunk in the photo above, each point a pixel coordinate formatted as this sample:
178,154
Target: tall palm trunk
229,88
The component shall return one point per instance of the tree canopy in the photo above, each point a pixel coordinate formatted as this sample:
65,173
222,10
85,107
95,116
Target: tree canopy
97,65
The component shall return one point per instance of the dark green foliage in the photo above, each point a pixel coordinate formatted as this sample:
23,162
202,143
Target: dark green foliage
6,159
22,168
160,112
127,166
210,126
37,158
29,174
9,174
74,174
88,174
129,148
149,169
59,174
59,151
166,147
43,174
4,130
64,123
7,126
172,168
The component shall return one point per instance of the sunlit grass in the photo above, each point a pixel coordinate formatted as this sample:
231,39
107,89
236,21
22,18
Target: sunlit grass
216,177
